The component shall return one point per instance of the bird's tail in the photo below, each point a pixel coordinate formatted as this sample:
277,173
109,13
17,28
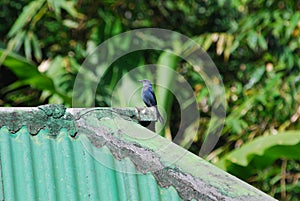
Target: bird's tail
160,118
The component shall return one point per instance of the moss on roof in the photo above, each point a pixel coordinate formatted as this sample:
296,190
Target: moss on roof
112,157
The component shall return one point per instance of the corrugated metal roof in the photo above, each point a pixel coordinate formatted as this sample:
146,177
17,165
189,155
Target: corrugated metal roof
111,158
43,168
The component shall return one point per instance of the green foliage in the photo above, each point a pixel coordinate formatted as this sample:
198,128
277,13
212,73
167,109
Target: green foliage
253,161
262,152
254,44
28,74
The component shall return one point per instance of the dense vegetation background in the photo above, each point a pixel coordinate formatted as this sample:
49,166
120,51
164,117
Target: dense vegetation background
254,44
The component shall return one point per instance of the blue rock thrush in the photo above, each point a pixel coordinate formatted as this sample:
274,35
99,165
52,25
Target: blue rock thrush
149,98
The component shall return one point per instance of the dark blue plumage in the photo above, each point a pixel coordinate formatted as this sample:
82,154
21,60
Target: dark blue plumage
149,98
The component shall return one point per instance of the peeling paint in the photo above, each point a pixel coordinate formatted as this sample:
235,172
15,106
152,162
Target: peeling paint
51,117
146,160
104,127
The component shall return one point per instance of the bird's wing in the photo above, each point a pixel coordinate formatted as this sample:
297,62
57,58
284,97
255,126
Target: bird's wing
152,93
149,96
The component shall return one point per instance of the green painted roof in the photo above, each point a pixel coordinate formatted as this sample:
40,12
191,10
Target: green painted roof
53,153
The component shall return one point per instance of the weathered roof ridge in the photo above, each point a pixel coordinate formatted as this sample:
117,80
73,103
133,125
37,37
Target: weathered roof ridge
117,129
55,117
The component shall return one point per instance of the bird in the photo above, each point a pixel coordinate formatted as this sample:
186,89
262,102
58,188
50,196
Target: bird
149,98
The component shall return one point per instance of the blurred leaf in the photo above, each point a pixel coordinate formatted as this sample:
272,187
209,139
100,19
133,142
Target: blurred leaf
69,6
207,42
19,65
262,42
36,48
228,48
17,41
29,75
252,40
221,44
164,77
70,23
255,77
167,60
55,5
261,152
28,12
27,47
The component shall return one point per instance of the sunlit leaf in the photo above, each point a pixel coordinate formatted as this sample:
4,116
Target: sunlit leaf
262,152
164,77
55,5
255,77
17,41
28,12
36,48
207,42
69,6
221,44
262,42
28,74
70,23
27,47
19,65
252,40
